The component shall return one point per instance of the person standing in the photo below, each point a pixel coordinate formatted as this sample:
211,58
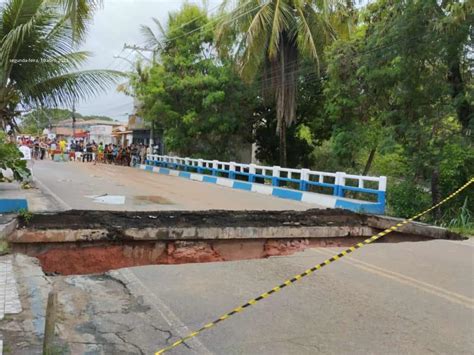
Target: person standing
43,148
100,152
142,154
62,145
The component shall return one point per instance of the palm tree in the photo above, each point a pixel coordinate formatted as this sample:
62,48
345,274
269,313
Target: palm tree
39,60
273,37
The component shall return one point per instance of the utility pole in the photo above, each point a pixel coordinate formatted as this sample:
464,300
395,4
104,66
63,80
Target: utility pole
73,120
139,50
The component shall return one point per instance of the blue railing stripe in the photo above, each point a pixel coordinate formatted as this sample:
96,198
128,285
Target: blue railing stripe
338,190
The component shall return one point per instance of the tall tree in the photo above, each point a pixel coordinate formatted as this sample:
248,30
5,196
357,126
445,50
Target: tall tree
38,58
196,97
273,36
406,72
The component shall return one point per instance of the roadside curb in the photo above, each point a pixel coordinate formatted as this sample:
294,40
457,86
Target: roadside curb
8,226
10,205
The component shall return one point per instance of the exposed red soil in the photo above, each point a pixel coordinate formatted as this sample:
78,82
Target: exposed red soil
84,252
71,258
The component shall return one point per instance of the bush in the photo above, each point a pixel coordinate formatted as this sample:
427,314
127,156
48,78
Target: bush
405,199
10,158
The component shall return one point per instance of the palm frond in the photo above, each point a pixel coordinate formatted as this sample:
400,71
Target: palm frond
305,39
79,13
151,40
18,20
71,87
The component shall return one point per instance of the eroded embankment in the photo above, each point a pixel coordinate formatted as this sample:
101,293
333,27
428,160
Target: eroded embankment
80,242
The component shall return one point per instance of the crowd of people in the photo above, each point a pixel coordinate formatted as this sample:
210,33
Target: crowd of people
80,150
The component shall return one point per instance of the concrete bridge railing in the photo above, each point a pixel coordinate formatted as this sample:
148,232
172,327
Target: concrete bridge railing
338,184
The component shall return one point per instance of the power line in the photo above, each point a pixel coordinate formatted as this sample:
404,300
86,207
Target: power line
167,40
312,72
216,19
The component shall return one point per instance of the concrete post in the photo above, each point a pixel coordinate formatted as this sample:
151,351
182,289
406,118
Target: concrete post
199,169
382,190
339,182
252,172
276,175
304,178
232,170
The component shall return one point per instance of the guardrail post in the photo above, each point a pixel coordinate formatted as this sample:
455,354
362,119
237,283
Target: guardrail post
276,175
215,164
252,172
232,170
382,190
339,182
199,169
304,178
186,163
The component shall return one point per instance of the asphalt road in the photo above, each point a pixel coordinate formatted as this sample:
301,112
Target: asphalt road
406,298
74,184
414,298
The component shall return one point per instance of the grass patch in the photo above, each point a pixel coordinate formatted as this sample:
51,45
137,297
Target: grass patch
4,247
467,231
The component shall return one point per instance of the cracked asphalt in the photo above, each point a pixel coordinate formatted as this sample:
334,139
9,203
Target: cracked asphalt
413,298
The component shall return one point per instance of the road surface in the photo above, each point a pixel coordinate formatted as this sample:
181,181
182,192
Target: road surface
414,298
75,184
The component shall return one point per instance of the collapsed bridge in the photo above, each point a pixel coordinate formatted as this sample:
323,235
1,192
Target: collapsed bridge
80,242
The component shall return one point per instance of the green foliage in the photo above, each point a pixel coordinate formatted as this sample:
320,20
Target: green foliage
25,216
299,141
400,85
197,98
34,122
39,61
462,221
389,95
4,249
10,158
272,38
405,199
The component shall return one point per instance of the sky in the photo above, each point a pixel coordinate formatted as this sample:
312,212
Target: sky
116,23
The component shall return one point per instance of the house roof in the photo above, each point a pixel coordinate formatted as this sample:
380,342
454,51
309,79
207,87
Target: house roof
66,131
82,122
99,122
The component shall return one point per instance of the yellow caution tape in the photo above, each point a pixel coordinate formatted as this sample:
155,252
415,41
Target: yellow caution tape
311,270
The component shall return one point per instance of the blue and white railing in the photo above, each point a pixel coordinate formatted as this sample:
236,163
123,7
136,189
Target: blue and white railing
339,184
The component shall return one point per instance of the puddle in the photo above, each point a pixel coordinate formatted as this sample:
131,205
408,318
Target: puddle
149,200
109,199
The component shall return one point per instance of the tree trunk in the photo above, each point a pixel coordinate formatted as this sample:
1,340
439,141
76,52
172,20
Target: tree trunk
370,159
283,158
464,108
435,192
285,90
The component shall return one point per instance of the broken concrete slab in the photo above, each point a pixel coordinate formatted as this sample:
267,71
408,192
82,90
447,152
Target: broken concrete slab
80,242
88,226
